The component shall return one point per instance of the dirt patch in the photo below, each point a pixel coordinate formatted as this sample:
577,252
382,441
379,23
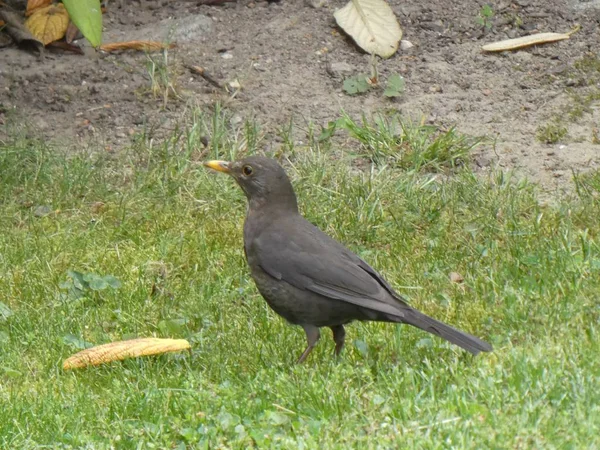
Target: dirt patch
282,54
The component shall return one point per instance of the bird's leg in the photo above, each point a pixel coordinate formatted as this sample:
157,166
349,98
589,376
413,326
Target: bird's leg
312,336
339,334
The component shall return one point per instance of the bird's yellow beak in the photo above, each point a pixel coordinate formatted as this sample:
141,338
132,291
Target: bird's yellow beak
219,166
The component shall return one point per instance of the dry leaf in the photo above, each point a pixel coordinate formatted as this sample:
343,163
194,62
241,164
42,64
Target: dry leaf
48,24
98,207
147,46
72,33
117,351
372,24
456,277
16,29
527,41
33,5
62,45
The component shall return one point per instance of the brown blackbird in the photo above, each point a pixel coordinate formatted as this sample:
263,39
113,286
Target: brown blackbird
307,277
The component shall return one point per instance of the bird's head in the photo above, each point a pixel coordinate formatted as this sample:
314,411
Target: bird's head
262,179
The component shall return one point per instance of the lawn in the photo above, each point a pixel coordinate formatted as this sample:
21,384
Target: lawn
170,232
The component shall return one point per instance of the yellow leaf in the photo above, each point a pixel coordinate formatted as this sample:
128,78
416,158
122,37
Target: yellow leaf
372,24
33,5
48,24
147,46
527,41
117,351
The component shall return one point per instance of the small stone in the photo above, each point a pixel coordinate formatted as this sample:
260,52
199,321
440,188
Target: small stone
341,68
406,45
436,26
227,55
315,3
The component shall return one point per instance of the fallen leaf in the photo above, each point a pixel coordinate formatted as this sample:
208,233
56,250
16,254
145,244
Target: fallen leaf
16,29
372,24
456,277
118,351
527,41
147,46
33,5
66,46
72,33
48,24
98,207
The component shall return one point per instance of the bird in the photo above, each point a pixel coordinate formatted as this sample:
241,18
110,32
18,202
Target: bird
309,278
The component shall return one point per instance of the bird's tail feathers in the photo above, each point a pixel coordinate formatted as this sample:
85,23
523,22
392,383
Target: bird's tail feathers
464,340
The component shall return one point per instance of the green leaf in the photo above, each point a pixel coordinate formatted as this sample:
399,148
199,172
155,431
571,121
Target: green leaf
78,279
487,11
11,373
378,400
5,312
395,86
356,85
277,418
76,342
87,16
424,343
4,337
173,326
189,434
68,284
95,282
112,281
227,420
327,132
362,347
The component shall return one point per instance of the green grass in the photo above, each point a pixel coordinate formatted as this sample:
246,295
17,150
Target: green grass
171,233
551,133
400,143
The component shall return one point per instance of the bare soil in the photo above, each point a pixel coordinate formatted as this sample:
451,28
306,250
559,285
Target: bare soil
291,59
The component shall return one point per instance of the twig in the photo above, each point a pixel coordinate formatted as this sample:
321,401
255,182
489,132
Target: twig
207,76
434,424
283,408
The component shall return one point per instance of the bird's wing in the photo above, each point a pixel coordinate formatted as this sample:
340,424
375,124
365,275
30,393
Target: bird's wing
309,259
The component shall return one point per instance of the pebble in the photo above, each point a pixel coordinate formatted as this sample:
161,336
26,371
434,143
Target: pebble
341,68
405,45
315,3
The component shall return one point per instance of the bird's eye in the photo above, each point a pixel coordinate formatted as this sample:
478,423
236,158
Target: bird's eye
247,170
